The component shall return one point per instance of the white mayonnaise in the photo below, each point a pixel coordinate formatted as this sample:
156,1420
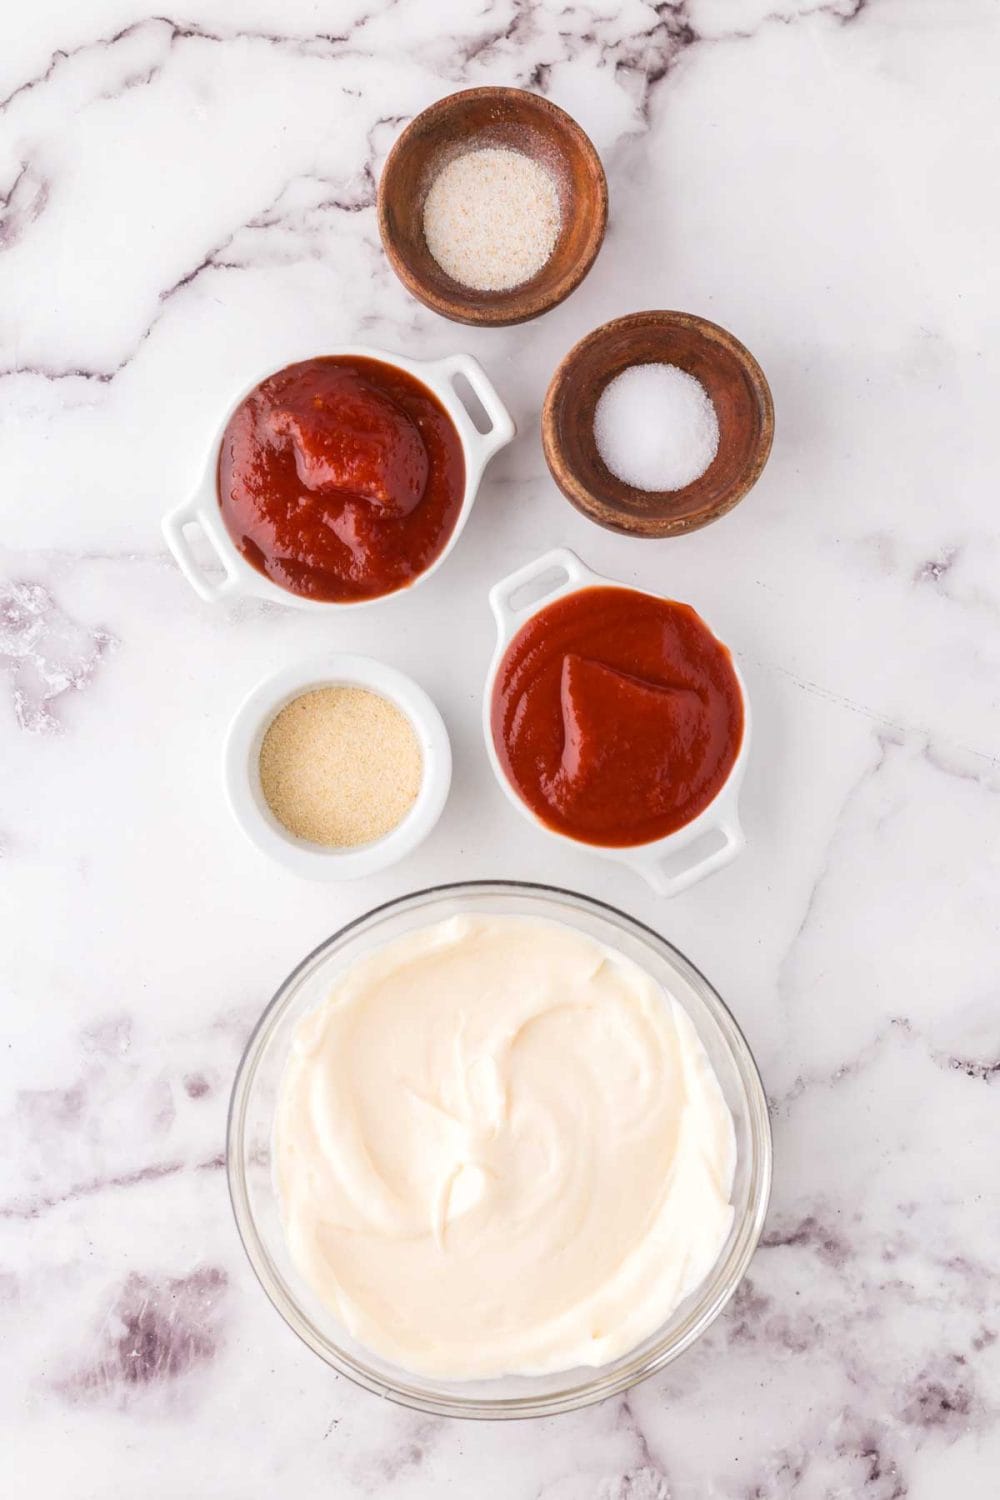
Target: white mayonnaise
500,1148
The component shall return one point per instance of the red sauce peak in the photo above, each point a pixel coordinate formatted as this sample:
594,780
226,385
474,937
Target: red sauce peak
350,438
618,727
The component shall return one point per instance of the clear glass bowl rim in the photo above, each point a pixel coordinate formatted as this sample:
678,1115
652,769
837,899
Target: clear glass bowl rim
602,1383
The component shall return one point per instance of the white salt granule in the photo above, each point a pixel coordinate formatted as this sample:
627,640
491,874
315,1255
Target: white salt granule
656,428
491,219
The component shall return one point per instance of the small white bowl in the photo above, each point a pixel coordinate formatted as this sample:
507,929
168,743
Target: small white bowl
241,580
671,864
242,766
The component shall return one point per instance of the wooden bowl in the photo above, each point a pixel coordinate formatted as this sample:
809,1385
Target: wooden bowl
471,120
730,375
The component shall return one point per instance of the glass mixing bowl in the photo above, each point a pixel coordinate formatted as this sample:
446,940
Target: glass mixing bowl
255,1200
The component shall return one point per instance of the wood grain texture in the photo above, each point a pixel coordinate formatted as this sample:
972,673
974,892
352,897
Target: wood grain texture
730,375
474,119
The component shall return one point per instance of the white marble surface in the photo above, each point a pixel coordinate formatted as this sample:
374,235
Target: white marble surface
185,200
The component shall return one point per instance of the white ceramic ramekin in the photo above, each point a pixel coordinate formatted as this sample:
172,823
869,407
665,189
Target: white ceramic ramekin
239,579
671,864
242,766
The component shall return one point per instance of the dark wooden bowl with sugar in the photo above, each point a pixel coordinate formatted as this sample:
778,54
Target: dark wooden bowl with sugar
505,119
733,380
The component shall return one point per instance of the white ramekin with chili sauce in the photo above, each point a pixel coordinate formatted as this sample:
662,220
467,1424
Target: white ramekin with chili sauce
343,479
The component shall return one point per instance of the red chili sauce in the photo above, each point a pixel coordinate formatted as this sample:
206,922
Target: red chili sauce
341,478
616,716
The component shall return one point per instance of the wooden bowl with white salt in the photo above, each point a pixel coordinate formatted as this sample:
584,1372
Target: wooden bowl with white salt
492,206
657,423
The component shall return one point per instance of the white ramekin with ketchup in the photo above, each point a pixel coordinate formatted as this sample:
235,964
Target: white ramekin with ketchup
701,844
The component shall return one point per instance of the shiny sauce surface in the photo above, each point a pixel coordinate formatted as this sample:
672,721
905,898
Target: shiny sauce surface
341,478
616,716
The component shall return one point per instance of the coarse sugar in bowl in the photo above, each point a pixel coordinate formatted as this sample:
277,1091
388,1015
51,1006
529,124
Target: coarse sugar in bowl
257,1091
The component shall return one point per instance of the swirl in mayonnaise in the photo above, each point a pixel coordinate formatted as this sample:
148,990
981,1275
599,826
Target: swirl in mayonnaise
500,1148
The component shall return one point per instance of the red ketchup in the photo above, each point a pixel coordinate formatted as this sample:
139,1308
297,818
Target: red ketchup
341,478
616,716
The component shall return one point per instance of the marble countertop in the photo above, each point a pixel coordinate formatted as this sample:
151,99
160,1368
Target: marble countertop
185,200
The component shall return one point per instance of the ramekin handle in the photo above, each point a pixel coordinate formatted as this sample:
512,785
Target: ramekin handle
502,428
671,883
567,567
209,589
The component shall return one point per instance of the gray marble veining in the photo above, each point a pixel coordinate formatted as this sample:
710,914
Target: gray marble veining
188,198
